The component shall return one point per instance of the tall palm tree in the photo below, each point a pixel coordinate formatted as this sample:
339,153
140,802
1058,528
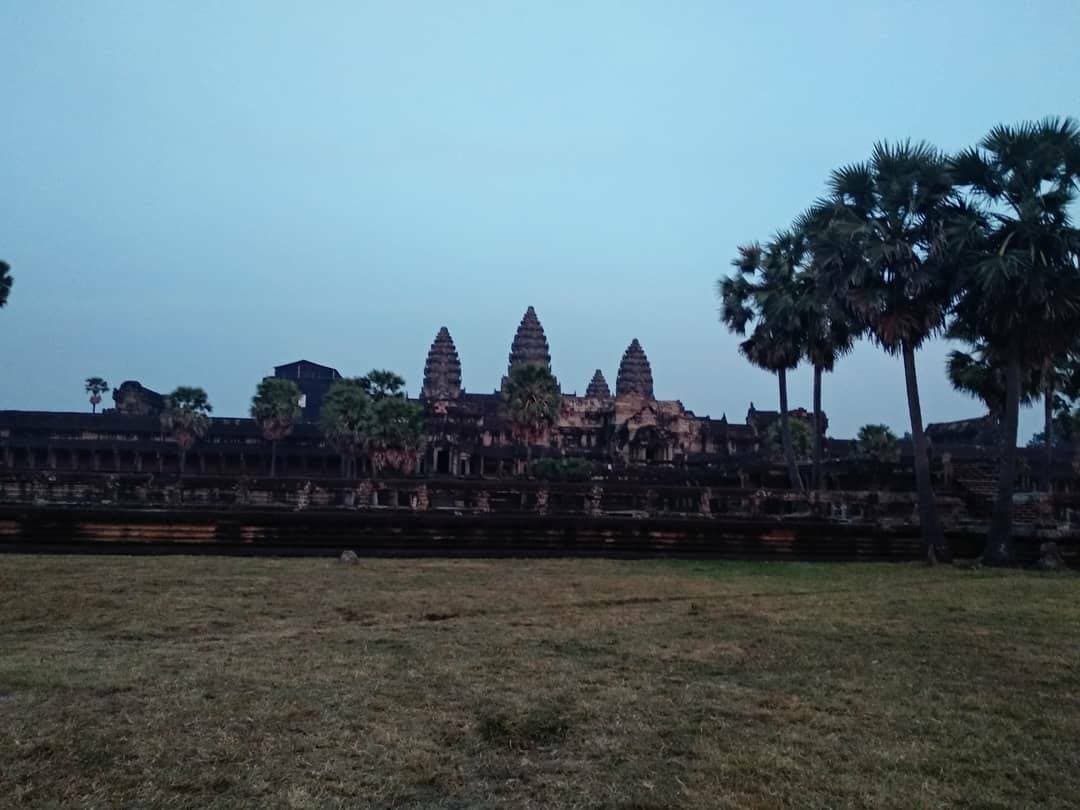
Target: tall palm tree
396,434
533,402
275,408
345,419
1021,272
764,293
6,282
187,418
880,249
95,387
830,334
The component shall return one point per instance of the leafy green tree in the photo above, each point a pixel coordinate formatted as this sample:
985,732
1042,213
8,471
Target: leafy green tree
1066,427
380,383
879,245
95,387
764,293
533,402
186,417
877,442
802,442
276,408
1020,284
6,282
345,418
395,434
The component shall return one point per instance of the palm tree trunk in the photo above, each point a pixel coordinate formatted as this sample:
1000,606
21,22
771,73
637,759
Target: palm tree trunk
933,535
273,459
999,545
1048,434
785,434
816,478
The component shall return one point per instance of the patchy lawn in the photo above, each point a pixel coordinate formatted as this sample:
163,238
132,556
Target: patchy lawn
217,682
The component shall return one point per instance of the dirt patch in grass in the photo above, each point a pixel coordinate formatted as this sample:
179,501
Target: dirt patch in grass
211,682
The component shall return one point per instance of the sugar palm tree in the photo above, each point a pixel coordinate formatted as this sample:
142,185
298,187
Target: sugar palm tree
877,442
345,418
1021,274
6,282
880,248
396,434
829,334
275,408
186,417
95,387
532,403
763,293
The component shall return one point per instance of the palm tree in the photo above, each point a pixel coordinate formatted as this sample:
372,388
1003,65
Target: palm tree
880,248
764,292
6,282
533,402
395,434
345,418
275,408
1020,290
95,387
187,418
829,335
877,442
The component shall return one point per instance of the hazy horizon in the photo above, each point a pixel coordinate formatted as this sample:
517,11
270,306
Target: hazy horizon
194,194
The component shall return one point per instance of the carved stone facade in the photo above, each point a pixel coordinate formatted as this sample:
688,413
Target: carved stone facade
470,434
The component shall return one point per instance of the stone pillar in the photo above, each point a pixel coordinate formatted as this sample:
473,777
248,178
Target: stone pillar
50,457
593,502
705,505
542,501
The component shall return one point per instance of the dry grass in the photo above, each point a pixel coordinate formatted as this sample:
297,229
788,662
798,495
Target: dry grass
211,682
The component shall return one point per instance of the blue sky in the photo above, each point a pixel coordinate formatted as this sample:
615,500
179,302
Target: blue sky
193,192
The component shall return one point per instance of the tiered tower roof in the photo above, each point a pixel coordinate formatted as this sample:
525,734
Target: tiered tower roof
635,373
530,346
598,387
442,371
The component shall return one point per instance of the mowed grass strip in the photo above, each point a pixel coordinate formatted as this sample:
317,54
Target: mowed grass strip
220,682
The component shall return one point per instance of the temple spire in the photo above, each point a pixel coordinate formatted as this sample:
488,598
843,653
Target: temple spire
598,387
442,371
530,346
635,373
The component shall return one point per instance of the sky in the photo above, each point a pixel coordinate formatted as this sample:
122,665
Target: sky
194,192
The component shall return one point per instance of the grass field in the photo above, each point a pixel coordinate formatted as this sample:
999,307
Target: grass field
215,682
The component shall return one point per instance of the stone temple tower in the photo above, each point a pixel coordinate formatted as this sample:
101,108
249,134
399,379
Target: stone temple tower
598,387
530,346
442,371
635,373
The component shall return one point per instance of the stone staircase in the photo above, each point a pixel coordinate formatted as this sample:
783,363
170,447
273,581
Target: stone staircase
979,481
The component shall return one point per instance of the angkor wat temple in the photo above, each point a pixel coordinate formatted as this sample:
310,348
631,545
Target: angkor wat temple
469,434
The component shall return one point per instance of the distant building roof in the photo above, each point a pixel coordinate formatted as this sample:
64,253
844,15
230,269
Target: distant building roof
300,365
